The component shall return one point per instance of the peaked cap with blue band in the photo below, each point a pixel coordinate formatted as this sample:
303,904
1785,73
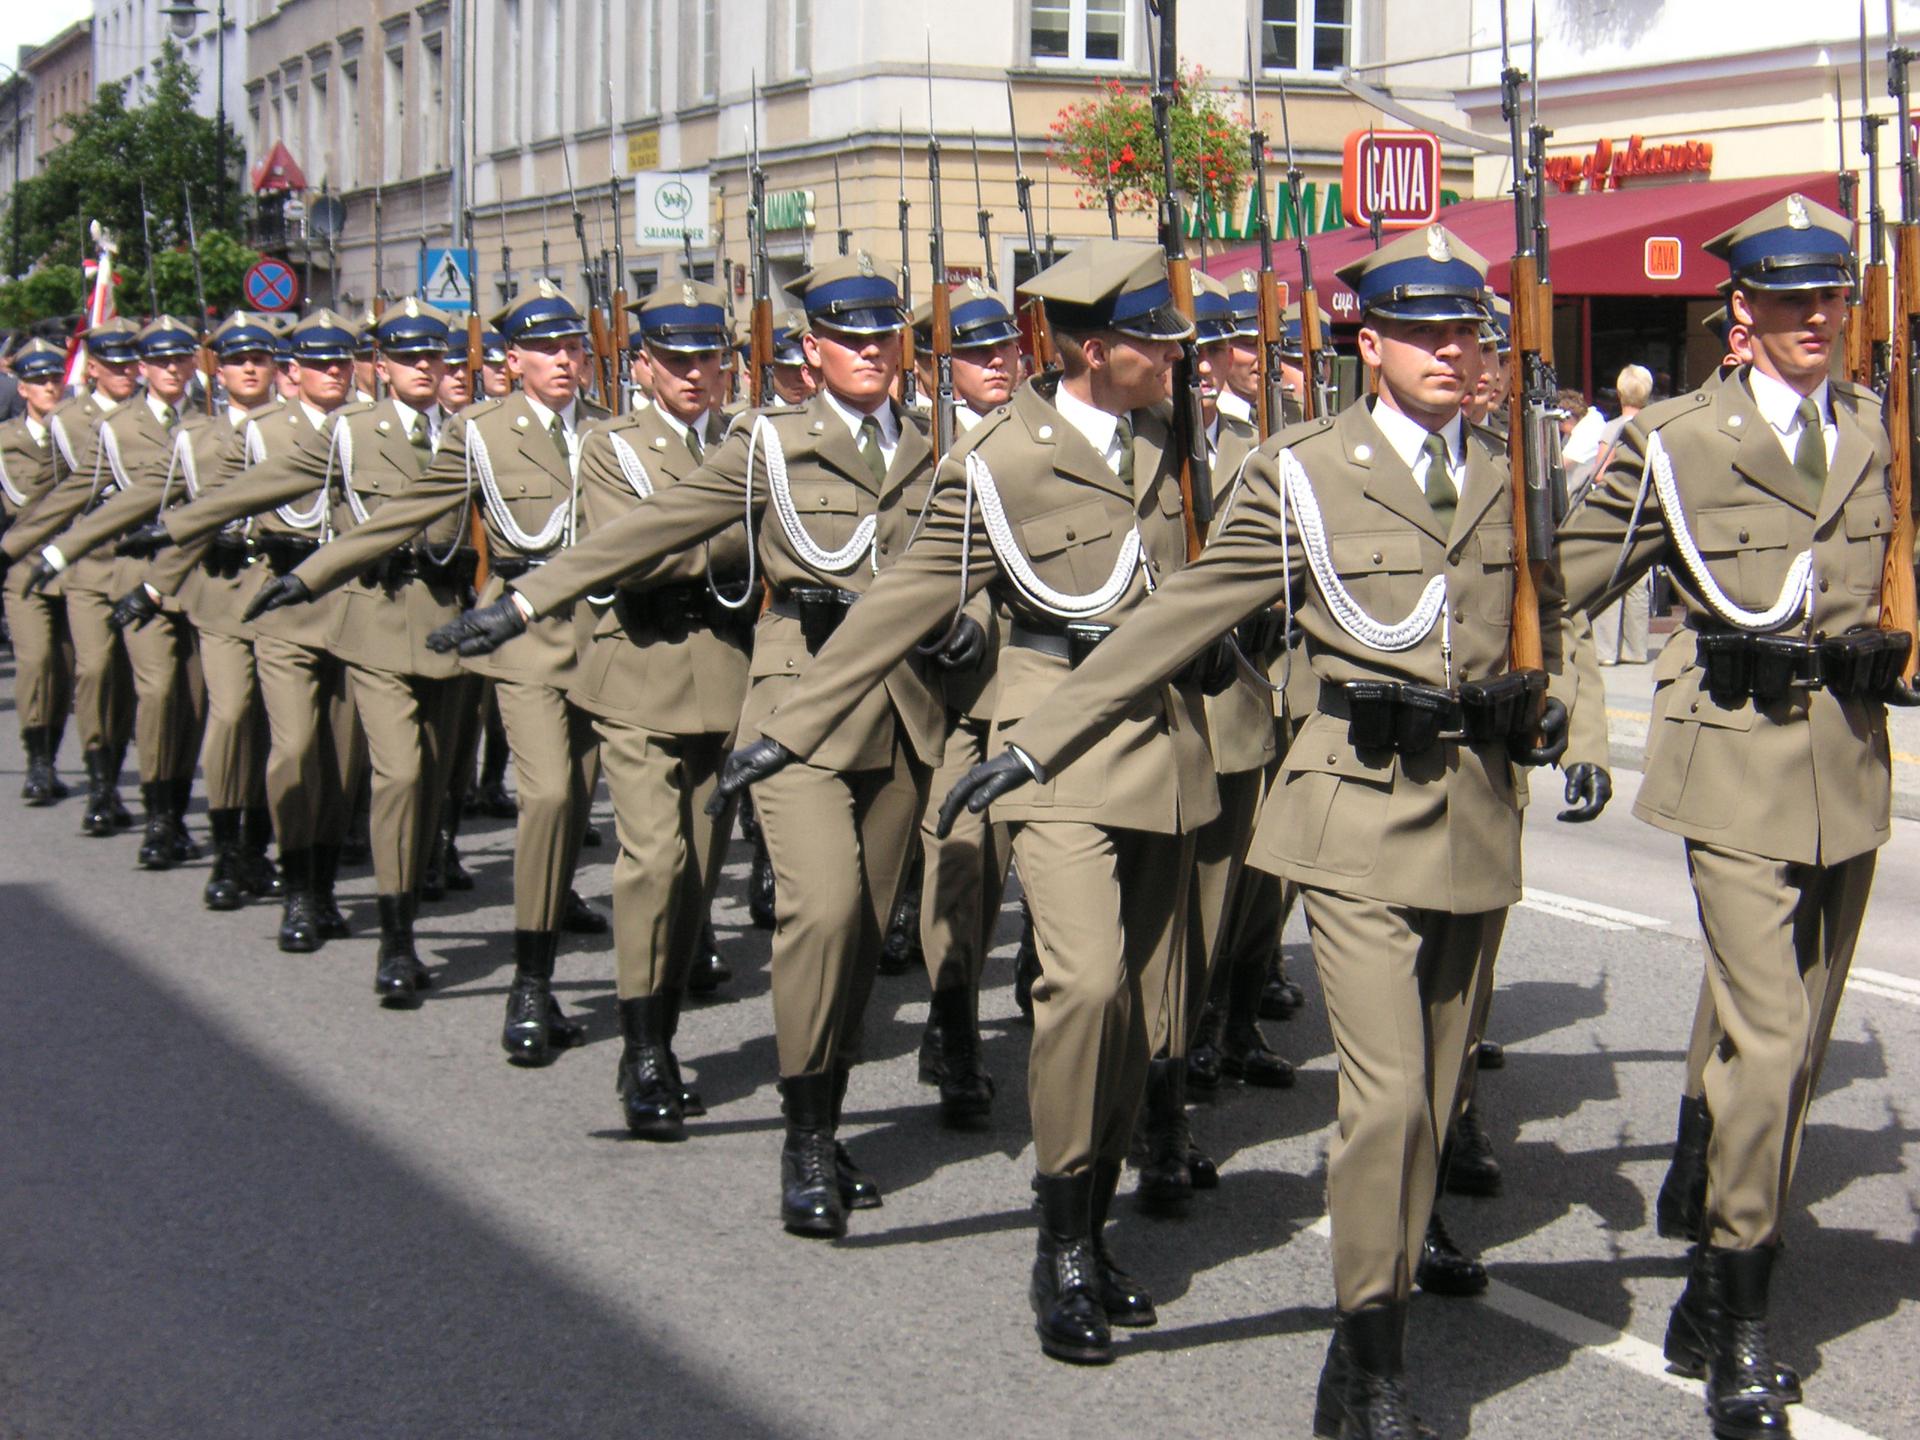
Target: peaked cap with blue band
39,360
1427,274
540,312
115,341
1292,345
688,317
165,337
1213,318
1793,244
322,335
976,314
1118,285
1243,297
788,328
852,294
414,327
241,333
1497,331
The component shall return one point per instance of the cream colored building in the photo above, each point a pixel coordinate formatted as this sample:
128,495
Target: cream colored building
62,71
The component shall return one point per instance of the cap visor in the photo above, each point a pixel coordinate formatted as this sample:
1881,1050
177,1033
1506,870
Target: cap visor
1161,323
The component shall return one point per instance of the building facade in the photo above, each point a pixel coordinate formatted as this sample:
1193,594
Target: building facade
128,35
19,157
62,76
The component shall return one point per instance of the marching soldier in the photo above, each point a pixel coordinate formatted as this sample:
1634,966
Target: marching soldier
1767,497
1396,810
103,680
42,651
513,460
137,444
1077,485
847,475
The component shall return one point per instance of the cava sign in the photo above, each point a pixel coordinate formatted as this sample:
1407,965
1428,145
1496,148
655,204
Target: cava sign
1392,176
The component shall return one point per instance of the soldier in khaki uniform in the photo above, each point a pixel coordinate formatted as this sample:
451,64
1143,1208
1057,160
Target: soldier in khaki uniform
37,620
1397,807
1077,487
513,460
847,475
103,680
136,442
210,450
315,750
1768,498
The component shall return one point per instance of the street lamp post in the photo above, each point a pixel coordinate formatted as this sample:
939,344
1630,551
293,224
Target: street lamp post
13,195
182,17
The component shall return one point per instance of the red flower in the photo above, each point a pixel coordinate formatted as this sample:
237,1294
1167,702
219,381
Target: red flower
1126,154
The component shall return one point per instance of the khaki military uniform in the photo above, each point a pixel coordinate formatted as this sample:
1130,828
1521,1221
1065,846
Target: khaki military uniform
42,649
664,674
552,739
1782,804
103,679
837,828
1103,848
1404,861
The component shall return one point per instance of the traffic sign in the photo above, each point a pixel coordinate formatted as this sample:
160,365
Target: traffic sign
269,285
446,278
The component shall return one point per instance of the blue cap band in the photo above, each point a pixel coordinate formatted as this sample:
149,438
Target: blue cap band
40,367
1132,304
685,327
322,342
787,349
114,349
544,318
859,304
412,334
1790,259
168,343
982,321
243,338
1420,288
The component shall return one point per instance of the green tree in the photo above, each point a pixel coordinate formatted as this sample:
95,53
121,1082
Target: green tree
119,144
48,291
223,263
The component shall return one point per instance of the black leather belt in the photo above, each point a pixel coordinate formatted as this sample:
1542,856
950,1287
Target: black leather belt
401,566
818,608
1862,664
513,567
1410,719
675,610
285,553
1212,669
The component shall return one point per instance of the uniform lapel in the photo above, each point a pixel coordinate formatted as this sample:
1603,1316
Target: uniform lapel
1063,448
396,449
1388,480
1486,482
1760,456
1850,459
914,448
834,443
536,443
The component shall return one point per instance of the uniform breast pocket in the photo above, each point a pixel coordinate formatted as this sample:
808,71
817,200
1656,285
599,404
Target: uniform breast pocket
1494,579
1867,521
526,482
1382,571
1745,546
829,509
1069,547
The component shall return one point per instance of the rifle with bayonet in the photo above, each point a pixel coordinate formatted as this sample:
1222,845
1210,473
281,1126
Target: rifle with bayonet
476,392
840,210
596,321
146,233
984,215
1873,348
909,386
760,333
1316,361
620,319
1033,312
208,365
1897,607
1859,342
1270,397
1534,448
1189,425
942,301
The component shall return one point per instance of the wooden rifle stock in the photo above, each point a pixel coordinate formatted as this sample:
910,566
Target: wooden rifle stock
1313,344
1867,324
1036,337
1180,281
760,353
1532,346
1273,328
621,334
477,386
603,362
942,366
1897,606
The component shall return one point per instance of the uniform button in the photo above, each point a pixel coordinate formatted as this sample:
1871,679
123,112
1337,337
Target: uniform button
1825,585
1332,760
1695,707
1073,535
1459,614
1453,559
1744,537
883,548
790,666
823,500
1376,557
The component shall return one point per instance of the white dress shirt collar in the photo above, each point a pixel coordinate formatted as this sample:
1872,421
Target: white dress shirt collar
1779,406
1408,438
545,416
1101,427
884,417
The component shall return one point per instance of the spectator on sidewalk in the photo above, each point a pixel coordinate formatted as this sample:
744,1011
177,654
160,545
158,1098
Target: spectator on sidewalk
1620,630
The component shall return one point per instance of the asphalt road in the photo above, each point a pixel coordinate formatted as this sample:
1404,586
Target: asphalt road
238,1199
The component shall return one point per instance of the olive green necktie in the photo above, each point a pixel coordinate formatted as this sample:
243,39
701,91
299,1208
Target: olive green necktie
1810,453
1123,433
422,438
870,449
169,417
694,447
555,429
1442,497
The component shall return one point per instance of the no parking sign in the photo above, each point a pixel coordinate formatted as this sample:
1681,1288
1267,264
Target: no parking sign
269,285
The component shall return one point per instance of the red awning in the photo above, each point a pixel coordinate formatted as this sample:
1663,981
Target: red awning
1597,243
277,172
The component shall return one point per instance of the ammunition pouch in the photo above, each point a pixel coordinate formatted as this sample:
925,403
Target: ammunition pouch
392,571
1212,670
1860,665
1411,719
818,608
1864,664
514,567
226,557
675,611
284,553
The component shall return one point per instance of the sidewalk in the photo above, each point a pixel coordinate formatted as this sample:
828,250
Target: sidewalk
1630,708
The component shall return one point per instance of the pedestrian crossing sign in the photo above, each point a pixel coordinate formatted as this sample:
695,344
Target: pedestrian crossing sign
446,278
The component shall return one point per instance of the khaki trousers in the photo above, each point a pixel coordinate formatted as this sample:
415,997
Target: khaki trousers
102,677
1219,860
169,696
1108,907
555,765
1401,987
407,720
670,850
839,842
1780,939
42,655
234,749
314,745
965,874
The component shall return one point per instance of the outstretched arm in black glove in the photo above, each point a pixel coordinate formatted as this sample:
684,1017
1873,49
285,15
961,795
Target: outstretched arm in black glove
482,631
1553,737
960,648
747,766
135,608
41,572
984,784
1589,788
280,591
143,542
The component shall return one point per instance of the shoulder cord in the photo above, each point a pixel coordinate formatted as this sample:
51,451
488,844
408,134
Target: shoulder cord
57,428
834,562
315,516
638,480
1245,665
750,591
1796,592
254,446
14,497
558,532
108,450
1006,549
180,462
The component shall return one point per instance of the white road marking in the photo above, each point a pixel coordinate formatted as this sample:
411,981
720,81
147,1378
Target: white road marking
1588,912
1885,984
1626,1350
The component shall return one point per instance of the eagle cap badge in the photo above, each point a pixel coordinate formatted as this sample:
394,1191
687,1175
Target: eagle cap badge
1797,216
1438,250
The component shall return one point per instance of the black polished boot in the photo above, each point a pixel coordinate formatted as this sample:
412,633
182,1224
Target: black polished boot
299,921
900,952
580,918
1124,1298
709,970
116,811
258,874
535,1027
1244,1052
433,874
156,847
1361,1394
590,837
452,871
950,1058
1469,1164
184,847
98,819
1446,1269
810,1199
399,977
1719,1328
647,1082
1171,1168
1067,1273
1026,964
690,1101
1280,998
1490,1055
1682,1204
326,865
1203,1057
38,788
225,889
858,1190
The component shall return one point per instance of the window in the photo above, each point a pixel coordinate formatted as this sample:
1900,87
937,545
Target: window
318,126
394,117
800,37
1306,34
433,106
596,39
506,75
709,48
349,142
643,58
547,47
1089,32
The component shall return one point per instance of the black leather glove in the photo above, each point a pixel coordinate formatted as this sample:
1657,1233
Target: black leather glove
746,767
1902,694
1553,737
40,574
134,608
144,541
962,647
1589,788
482,631
980,787
279,591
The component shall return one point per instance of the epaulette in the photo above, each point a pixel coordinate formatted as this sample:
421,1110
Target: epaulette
592,411
1290,435
1861,393
482,407
261,412
1493,439
986,425
1666,411
355,407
